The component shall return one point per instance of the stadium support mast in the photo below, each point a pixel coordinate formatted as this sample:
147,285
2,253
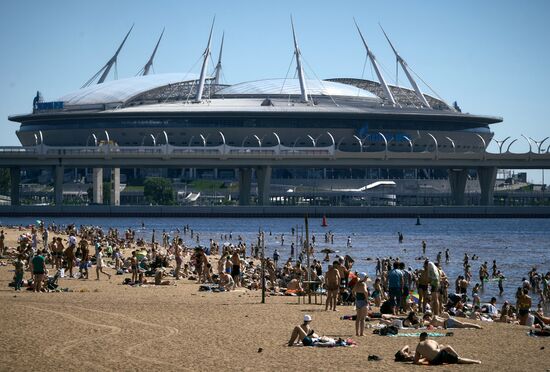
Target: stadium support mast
206,54
104,71
405,68
381,79
218,69
149,63
303,87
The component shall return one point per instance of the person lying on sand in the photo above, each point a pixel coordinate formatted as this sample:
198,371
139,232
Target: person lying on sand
437,321
405,354
432,353
303,333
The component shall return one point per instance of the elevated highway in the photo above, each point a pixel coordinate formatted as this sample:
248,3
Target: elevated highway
262,159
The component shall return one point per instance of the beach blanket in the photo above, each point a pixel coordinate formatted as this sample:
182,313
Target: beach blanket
417,334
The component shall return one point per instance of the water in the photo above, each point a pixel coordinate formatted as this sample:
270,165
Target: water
516,244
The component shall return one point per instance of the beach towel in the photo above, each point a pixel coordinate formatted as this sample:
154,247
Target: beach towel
417,334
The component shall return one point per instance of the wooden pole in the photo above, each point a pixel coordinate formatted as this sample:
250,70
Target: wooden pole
263,266
308,252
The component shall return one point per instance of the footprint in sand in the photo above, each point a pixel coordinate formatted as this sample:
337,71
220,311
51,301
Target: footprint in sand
56,350
130,350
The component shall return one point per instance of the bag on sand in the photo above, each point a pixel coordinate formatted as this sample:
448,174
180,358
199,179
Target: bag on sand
388,330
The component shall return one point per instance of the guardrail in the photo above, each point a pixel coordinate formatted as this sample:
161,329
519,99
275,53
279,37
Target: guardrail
168,151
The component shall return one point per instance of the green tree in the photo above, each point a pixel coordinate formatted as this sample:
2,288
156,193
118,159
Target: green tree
4,181
158,191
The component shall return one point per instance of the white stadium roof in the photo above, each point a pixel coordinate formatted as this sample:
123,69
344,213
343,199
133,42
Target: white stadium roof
275,87
123,89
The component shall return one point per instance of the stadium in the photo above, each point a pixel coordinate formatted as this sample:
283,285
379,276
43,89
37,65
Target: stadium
351,114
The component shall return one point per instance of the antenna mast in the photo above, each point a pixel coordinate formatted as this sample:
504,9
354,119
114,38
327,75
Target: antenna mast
206,54
381,79
218,69
405,68
150,61
303,87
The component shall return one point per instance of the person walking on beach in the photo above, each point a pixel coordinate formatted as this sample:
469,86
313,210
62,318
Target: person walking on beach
424,247
332,282
100,264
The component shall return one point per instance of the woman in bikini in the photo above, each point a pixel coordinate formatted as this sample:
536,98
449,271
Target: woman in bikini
361,293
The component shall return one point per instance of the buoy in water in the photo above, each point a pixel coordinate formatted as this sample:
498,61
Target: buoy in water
324,223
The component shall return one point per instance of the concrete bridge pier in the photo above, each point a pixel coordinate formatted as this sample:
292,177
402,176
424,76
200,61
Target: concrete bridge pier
15,179
457,180
263,176
97,185
115,186
487,177
58,184
245,179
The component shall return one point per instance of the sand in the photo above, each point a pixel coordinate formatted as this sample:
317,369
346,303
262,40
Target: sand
104,325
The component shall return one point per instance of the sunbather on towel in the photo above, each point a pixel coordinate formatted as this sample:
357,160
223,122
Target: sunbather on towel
432,353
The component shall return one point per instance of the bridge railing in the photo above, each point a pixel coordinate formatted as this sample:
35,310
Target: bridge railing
167,151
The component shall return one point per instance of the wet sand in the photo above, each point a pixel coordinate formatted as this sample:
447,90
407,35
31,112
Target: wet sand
104,325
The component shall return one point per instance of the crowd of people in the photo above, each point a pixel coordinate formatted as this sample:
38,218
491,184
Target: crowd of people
424,297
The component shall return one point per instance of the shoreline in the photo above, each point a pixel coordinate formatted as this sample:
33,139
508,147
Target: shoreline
277,211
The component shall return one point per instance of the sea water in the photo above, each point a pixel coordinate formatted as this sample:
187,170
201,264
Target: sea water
517,245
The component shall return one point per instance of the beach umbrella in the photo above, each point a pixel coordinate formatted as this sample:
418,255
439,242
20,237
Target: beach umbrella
327,251
415,297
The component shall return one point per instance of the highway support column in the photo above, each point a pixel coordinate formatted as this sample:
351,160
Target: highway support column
115,186
245,179
15,180
487,177
263,176
59,171
457,180
97,185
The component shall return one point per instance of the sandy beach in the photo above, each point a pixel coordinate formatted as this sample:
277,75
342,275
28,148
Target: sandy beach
104,325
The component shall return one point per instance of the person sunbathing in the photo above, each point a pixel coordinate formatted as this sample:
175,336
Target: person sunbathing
432,353
437,321
303,333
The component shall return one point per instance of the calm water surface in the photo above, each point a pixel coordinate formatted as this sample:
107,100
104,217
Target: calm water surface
516,244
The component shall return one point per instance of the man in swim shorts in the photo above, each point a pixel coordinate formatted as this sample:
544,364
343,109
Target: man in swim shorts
332,278
430,352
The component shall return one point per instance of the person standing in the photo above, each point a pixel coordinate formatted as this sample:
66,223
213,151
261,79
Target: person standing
85,252
38,270
19,271
332,282
395,285
361,293
2,246
276,257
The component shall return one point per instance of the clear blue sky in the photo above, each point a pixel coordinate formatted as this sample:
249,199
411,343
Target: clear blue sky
490,56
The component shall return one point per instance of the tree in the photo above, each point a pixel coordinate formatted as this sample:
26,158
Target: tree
158,191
